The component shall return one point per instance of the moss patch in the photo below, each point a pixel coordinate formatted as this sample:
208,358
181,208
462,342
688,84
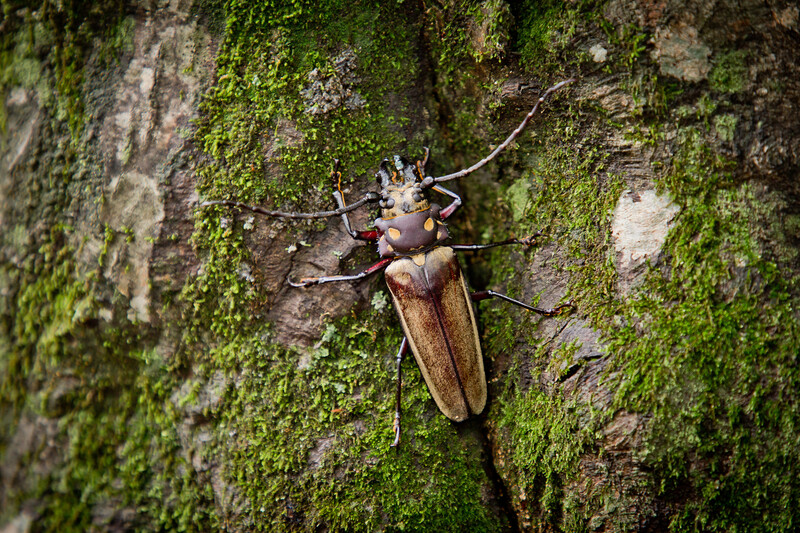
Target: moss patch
548,439
116,434
327,460
264,65
710,352
572,202
730,72
68,362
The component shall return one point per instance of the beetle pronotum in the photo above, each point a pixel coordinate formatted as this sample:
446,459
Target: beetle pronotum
424,276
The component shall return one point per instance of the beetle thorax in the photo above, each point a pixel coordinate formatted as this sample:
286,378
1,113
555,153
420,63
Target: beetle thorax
402,200
401,188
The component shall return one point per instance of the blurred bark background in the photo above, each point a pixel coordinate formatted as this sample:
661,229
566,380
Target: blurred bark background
157,372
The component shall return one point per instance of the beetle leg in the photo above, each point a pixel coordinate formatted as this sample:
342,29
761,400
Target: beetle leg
400,354
527,241
361,235
447,211
307,282
339,196
485,295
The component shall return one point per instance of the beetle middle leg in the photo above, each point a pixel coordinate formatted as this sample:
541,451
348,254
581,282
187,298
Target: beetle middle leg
553,311
307,282
527,241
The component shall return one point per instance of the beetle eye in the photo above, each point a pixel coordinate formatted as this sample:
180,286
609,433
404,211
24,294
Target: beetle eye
390,203
417,197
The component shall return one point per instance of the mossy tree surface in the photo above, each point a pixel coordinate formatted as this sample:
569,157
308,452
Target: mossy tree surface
666,401
89,434
703,348
308,428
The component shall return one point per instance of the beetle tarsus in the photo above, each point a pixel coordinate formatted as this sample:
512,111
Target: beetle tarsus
561,309
304,282
530,240
396,442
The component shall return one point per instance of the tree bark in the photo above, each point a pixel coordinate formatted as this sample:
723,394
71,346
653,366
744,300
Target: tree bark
159,373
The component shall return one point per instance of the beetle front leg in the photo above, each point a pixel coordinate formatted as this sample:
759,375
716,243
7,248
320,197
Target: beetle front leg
450,209
400,354
307,282
364,235
554,311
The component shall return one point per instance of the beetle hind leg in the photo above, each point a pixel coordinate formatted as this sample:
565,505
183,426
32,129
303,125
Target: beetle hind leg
554,311
400,354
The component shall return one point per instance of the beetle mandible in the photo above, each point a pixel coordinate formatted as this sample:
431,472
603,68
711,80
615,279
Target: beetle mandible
424,276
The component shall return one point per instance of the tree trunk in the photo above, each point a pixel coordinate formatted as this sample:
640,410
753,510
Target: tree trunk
159,373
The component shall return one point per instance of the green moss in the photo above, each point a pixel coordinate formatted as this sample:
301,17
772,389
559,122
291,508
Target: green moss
541,26
548,439
709,351
68,362
698,172
730,72
706,346
725,126
494,20
573,200
44,46
130,461
116,434
518,195
284,455
570,198
264,64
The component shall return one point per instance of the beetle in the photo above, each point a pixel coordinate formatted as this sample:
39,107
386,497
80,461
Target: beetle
423,274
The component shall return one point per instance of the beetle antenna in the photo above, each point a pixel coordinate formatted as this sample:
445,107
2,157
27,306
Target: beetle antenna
504,145
367,198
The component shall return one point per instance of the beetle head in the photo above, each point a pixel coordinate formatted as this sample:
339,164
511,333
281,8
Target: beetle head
401,187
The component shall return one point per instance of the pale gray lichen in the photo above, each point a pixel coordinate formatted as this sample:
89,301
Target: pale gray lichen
327,91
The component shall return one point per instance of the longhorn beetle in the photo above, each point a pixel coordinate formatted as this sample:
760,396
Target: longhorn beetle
424,276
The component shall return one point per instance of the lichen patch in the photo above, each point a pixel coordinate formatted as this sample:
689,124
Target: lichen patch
641,223
681,53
